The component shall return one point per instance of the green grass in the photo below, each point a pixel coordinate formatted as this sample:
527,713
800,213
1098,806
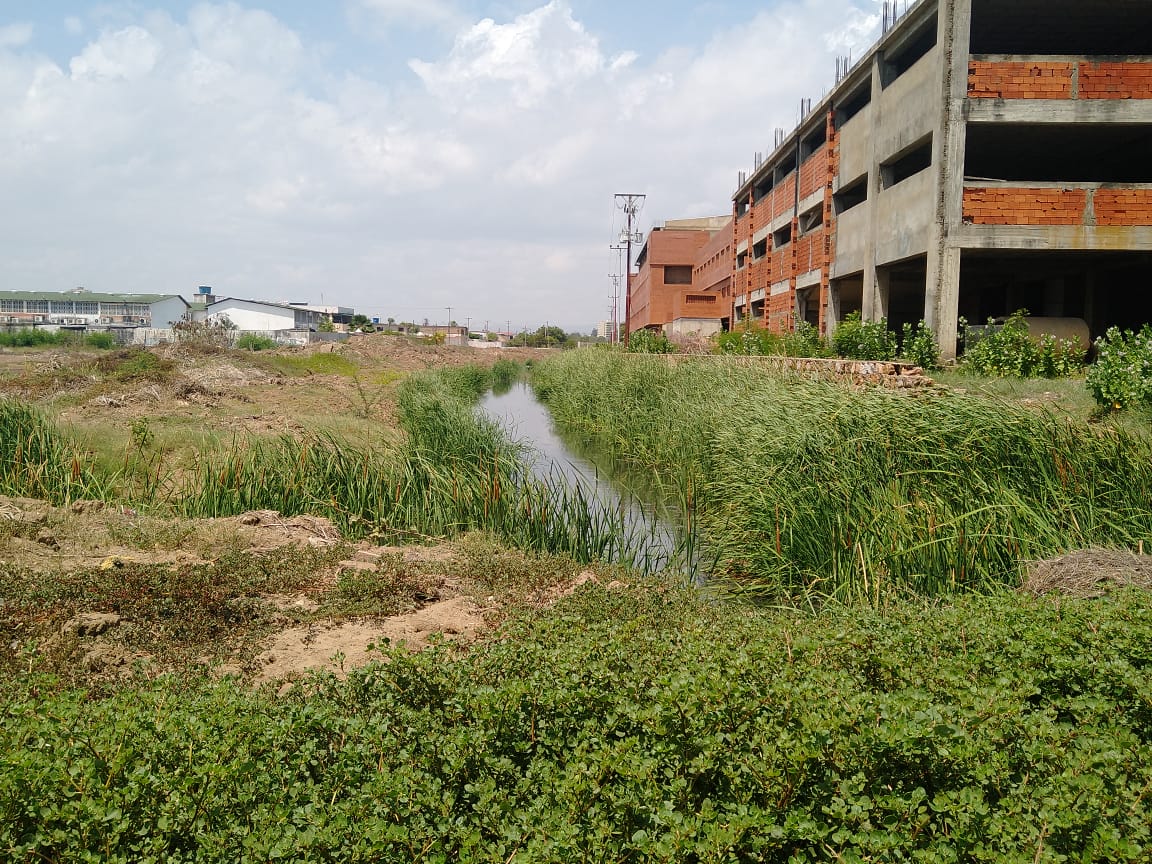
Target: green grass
807,489
328,363
37,461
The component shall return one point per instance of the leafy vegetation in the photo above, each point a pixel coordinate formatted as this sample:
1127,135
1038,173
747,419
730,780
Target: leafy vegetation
650,342
1121,377
636,725
919,346
32,337
855,339
804,489
805,341
1008,350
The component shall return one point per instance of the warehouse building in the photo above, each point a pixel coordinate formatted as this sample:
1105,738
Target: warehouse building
88,308
984,156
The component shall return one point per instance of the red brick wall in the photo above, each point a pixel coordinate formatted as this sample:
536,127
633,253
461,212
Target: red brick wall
814,172
1124,207
1116,80
1015,206
784,196
780,312
810,252
1019,80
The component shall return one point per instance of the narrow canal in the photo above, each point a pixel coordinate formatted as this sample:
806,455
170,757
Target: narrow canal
526,420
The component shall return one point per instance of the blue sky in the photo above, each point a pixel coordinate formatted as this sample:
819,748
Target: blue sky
401,156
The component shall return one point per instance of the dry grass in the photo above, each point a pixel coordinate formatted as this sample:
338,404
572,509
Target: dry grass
1089,573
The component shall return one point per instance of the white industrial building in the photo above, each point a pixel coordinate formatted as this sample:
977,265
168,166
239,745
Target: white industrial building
259,316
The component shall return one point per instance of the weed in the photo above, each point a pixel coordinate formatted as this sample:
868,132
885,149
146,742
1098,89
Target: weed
254,342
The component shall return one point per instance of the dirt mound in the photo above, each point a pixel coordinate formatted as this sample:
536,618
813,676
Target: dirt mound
345,646
268,530
1089,573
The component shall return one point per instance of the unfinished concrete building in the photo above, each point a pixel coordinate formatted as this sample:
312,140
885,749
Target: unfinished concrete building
984,156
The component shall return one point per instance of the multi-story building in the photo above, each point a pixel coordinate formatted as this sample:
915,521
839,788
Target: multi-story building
984,156
81,307
672,289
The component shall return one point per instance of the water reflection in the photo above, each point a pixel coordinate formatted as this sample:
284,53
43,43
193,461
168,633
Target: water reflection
526,419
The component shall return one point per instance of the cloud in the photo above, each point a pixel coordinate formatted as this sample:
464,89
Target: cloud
226,148
130,54
408,14
542,54
73,25
15,35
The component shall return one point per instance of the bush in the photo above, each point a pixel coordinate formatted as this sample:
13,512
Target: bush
650,342
103,341
919,346
253,342
749,341
856,339
1122,374
1009,351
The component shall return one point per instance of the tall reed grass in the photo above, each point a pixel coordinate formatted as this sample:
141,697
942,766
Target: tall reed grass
37,461
811,488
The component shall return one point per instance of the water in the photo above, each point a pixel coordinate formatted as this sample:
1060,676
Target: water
525,419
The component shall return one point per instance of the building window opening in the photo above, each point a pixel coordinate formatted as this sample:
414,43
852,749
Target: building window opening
764,188
760,249
854,104
782,237
903,57
908,164
813,142
852,195
812,220
678,274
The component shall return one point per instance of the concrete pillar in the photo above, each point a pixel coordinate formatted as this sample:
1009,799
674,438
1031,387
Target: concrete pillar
942,287
868,300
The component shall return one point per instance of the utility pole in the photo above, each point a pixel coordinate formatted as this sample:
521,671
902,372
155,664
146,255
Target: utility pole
449,308
630,204
614,336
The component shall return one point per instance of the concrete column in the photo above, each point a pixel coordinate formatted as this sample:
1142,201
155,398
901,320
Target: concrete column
869,299
880,301
942,288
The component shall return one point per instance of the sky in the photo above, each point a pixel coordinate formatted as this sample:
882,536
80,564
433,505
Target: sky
402,157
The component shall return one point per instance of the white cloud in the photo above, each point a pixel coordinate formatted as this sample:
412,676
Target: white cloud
539,55
221,149
130,54
73,25
15,35
410,14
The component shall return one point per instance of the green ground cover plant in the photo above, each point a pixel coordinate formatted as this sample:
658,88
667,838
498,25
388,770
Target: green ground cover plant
808,489
804,341
635,725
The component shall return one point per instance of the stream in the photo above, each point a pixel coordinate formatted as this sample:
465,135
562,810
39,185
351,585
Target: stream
525,419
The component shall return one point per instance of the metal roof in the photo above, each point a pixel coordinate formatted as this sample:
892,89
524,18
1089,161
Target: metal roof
85,296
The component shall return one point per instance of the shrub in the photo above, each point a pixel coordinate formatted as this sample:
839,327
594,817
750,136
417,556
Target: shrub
749,341
919,346
650,342
254,342
1009,351
856,339
1122,374
103,341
